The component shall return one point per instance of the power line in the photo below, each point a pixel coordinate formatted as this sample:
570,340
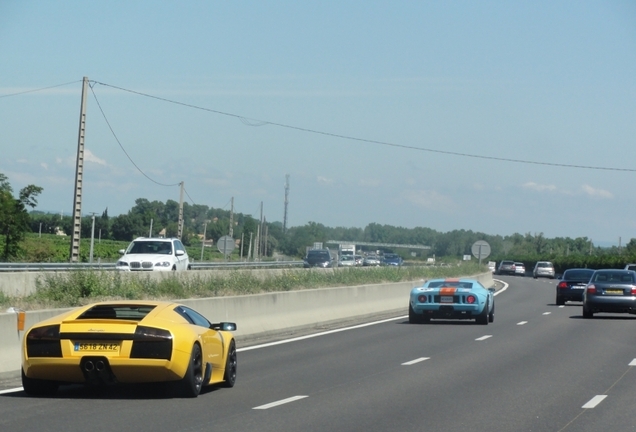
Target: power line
258,122
40,89
122,147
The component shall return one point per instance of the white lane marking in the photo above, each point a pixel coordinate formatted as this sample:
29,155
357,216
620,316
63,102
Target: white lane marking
547,313
280,402
594,401
483,338
299,338
13,390
561,307
522,322
632,363
505,287
412,362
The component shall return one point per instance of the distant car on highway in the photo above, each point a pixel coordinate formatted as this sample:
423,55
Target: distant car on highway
372,260
572,284
630,267
154,254
346,261
543,269
393,259
610,291
520,269
452,299
318,258
492,266
506,267
359,260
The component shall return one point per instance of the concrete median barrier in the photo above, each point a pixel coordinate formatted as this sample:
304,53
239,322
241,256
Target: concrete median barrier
257,315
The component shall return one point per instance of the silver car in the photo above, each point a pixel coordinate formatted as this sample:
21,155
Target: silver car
543,269
346,261
372,260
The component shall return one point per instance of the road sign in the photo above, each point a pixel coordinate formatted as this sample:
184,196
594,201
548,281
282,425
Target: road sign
480,250
226,245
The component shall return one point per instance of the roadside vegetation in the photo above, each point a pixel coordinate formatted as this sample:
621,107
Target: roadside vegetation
82,287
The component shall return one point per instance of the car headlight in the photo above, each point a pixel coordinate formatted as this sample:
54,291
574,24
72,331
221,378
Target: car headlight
162,264
122,264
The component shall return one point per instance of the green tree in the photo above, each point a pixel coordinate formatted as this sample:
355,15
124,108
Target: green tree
14,217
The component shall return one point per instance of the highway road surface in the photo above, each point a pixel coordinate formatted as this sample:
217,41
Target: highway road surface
538,367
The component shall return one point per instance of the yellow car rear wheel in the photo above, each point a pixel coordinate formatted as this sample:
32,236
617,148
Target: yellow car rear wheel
229,376
190,385
38,387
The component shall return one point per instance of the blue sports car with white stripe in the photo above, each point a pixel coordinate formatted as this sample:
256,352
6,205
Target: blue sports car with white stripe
452,299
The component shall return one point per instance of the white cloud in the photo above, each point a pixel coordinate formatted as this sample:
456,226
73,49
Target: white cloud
324,180
539,187
90,157
44,165
596,193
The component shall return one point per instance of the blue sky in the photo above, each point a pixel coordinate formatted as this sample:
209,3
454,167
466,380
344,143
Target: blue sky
547,82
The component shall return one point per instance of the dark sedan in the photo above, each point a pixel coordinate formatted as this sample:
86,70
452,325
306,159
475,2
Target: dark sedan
507,267
393,259
572,285
610,291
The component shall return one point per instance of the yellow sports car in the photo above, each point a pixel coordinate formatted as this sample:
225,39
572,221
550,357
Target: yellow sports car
129,342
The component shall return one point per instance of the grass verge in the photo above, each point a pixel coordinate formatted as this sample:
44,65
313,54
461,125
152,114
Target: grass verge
82,287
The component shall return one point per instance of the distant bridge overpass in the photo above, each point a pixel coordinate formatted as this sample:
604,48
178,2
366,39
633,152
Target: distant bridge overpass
384,245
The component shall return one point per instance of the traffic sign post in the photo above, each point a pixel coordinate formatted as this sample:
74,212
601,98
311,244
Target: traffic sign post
226,245
480,249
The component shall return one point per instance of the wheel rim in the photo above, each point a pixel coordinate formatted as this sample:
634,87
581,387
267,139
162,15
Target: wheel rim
232,364
197,368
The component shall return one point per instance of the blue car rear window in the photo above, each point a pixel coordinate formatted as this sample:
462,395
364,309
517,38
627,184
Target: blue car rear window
455,284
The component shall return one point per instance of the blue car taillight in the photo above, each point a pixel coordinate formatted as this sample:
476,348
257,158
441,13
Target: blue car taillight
44,342
149,342
421,298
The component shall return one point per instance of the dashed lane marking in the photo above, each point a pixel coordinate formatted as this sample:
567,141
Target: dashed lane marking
594,401
412,362
280,402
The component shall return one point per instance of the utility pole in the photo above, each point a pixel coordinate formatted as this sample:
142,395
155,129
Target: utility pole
265,242
257,243
150,232
76,229
259,235
180,233
205,227
232,218
242,240
249,248
90,255
286,202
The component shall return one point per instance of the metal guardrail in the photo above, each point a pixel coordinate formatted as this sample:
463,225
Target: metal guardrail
45,267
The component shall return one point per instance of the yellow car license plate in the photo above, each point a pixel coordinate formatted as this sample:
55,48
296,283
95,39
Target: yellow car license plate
96,346
614,291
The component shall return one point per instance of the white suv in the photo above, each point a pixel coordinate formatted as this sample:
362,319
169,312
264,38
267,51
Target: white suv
154,254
